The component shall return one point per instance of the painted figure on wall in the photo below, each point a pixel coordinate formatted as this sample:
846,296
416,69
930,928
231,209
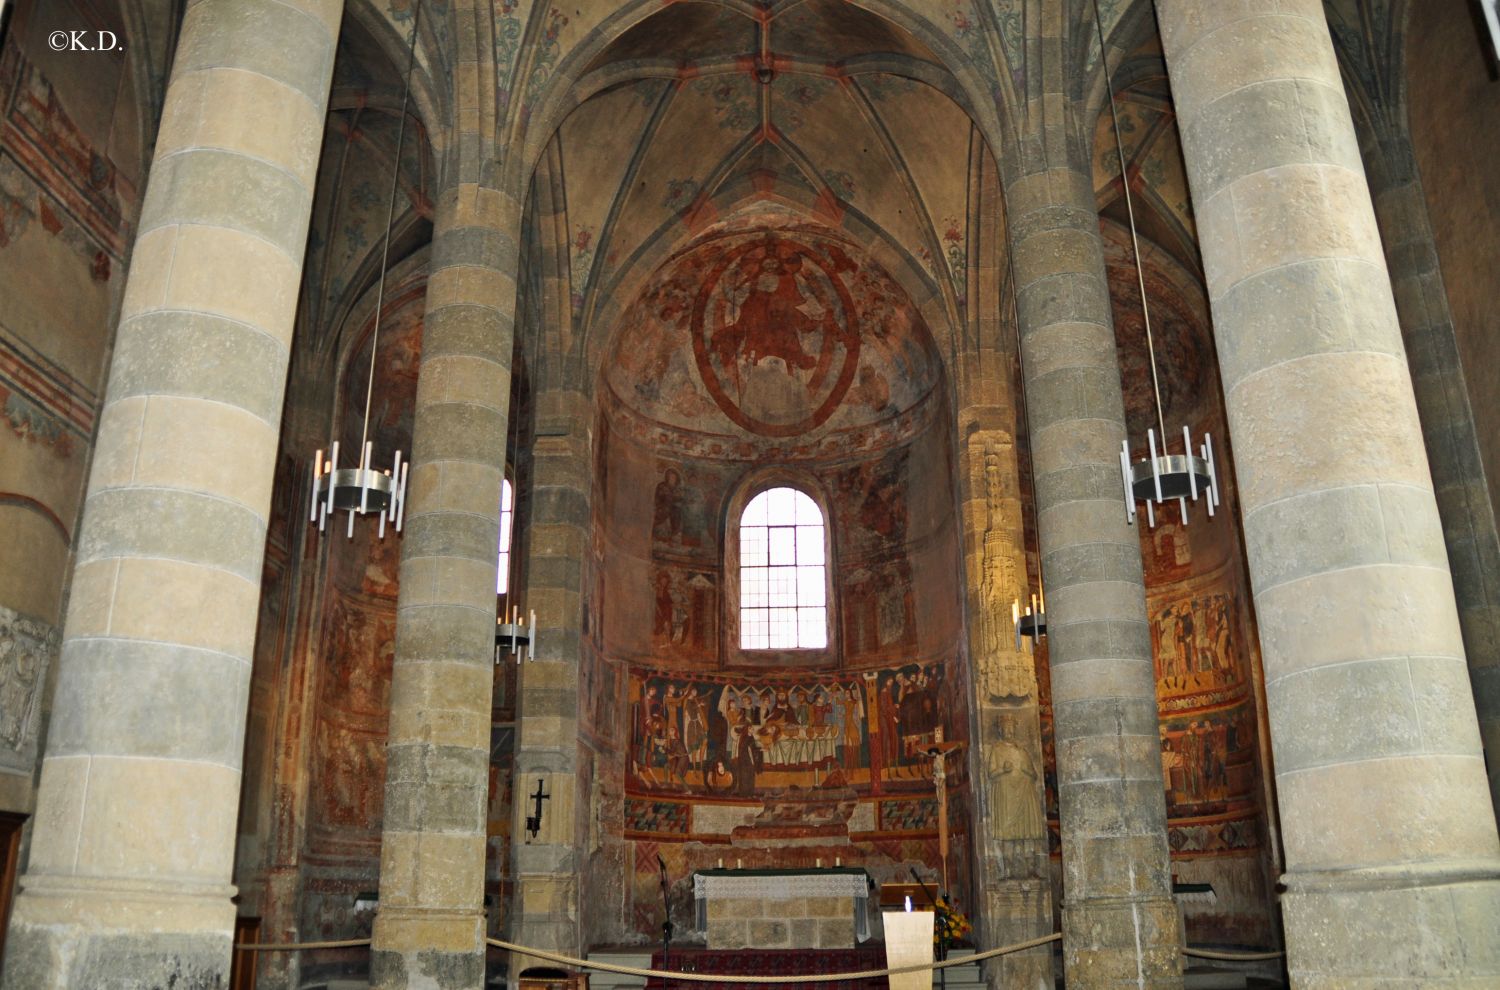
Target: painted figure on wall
775,334
1194,641
773,314
878,609
1206,760
683,604
669,509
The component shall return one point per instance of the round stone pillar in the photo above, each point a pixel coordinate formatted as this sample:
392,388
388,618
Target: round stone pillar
1447,420
1393,865
132,853
1120,925
430,928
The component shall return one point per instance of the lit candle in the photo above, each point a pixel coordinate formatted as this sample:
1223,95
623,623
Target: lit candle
908,902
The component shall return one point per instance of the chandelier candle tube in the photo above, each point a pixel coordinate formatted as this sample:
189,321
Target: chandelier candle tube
333,466
1187,445
317,470
364,481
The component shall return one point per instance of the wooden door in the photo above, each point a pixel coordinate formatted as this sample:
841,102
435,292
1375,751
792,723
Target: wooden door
242,969
10,865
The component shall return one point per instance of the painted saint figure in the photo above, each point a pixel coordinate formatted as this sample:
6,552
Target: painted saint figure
773,316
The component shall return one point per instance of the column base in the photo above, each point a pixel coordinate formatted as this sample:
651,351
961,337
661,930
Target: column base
1384,929
427,950
1122,942
108,934
546,913
1014,911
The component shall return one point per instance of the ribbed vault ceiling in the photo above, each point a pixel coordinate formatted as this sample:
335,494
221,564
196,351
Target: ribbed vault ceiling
815,102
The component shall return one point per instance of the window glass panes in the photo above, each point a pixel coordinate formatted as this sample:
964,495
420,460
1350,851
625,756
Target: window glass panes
812,628
810,590
810,545
753,546
783,579
783,545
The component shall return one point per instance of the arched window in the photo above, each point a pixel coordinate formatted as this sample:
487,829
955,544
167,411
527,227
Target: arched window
507,515
783,555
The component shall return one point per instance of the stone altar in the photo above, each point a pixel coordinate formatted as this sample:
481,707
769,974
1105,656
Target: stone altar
789,909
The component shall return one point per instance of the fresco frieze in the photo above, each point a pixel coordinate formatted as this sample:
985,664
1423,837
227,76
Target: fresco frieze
725,738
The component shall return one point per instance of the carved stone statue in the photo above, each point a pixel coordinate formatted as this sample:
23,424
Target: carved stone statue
1015,804
26,647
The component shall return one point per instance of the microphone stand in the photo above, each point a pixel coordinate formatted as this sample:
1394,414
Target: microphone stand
666,925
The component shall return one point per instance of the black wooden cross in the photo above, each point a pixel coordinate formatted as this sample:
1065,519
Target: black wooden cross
534,822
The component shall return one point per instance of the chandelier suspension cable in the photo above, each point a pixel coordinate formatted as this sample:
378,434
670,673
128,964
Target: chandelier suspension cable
362,489
1161,476
515,629
1033,624
1135,240
390,221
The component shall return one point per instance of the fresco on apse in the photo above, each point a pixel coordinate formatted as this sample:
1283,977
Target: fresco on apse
782,771
774,333
889,577
772,336
731,738
706,373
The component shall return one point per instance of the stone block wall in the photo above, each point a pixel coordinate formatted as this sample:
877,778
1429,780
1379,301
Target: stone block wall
781,923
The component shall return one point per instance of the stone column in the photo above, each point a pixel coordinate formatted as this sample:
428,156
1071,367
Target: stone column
430,928
1393,864
1014,896
1447,420
546,905
1120,925
129,879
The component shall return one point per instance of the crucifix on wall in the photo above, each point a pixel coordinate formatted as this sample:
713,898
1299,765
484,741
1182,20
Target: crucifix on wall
534,820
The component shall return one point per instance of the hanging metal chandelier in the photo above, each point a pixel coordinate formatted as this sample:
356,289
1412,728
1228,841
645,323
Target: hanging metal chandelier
1031,625
361,489
515,632
1162,475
